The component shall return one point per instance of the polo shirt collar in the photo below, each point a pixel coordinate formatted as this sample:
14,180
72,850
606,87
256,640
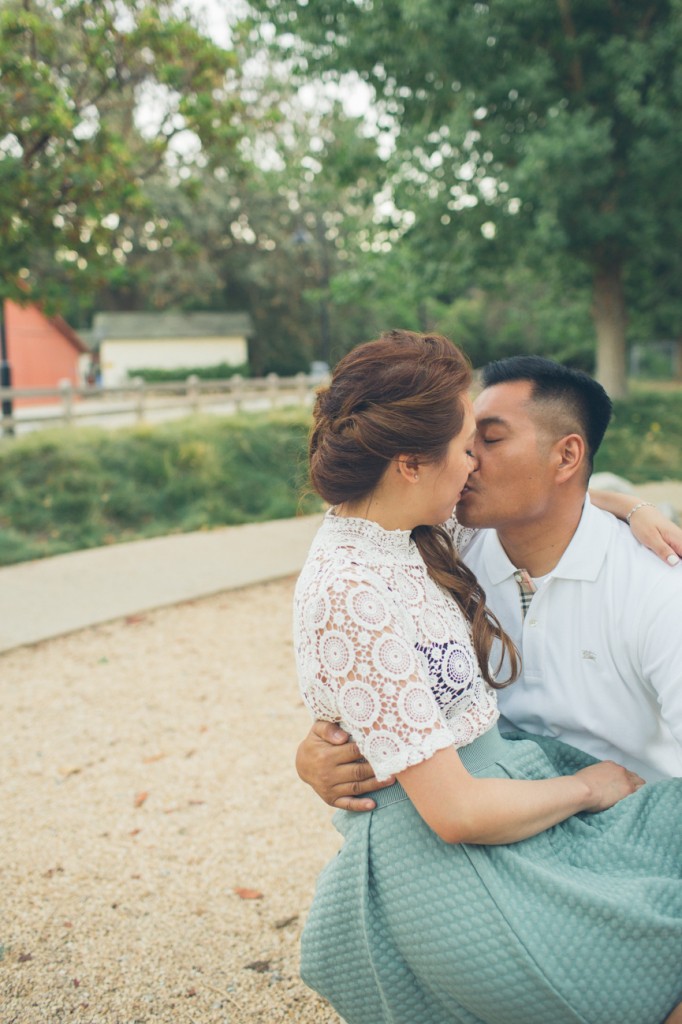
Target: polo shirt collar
582,559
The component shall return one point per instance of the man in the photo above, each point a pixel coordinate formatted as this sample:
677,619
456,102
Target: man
595,616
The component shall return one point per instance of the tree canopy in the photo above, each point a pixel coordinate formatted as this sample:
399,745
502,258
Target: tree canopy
75,78
514,183
551,130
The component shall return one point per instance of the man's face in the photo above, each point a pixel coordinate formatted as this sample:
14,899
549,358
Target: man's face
515,478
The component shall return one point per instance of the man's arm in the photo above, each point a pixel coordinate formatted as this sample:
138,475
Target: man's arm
648,524
332,764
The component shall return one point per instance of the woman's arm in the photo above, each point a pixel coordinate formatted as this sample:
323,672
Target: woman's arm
648,524
360,659
461,808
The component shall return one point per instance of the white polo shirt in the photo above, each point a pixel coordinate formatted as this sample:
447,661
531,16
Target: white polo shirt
601,645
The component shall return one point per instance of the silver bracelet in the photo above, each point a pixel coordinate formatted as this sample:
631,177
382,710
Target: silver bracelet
642,504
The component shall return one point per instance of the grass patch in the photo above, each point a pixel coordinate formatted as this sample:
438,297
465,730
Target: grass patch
67,489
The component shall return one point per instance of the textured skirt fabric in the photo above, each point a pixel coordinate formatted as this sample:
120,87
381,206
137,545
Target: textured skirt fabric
581,924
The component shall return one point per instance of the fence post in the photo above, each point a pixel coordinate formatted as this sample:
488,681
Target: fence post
66,388
301,387
140,393
273,389
193,392
236,386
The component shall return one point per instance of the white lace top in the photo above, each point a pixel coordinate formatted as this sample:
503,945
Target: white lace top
383,650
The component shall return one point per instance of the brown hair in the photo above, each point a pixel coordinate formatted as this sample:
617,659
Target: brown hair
395,396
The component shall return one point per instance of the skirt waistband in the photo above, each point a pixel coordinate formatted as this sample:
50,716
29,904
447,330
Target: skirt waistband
484,751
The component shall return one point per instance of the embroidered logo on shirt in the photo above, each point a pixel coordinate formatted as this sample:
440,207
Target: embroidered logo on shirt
589,655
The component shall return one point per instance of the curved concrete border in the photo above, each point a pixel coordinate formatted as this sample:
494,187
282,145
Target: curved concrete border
51,596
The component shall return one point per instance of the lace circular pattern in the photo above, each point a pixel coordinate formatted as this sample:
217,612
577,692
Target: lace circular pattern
359,704
383,650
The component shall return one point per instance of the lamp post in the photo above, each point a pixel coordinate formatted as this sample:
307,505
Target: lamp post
5,373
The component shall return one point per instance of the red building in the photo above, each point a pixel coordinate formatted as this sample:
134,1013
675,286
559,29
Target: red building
41,350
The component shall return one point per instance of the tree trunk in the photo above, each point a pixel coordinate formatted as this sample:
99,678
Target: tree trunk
609,315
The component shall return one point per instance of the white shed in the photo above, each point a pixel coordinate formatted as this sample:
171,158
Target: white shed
168,341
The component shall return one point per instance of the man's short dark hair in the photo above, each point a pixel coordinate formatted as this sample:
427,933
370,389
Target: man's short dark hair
580,400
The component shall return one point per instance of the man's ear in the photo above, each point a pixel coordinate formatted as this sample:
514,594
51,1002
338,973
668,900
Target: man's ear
571,453
408,467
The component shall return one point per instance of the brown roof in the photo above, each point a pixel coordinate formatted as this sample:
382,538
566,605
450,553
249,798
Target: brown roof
68,332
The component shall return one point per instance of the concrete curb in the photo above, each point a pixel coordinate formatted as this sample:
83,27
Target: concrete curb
52,596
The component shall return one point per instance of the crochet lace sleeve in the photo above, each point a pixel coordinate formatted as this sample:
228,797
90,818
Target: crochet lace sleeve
359,666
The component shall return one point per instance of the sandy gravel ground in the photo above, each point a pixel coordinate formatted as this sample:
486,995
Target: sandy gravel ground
146,775
146,787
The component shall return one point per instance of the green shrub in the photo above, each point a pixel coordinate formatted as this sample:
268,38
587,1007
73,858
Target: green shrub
61,490
220,371
643,441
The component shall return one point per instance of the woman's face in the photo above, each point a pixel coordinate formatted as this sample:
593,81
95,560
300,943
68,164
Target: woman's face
441,483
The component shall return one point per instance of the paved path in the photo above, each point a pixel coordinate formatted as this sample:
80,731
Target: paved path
51,596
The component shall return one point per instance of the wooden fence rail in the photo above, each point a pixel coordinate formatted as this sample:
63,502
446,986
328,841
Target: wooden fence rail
138,401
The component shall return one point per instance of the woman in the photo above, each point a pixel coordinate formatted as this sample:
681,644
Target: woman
485,887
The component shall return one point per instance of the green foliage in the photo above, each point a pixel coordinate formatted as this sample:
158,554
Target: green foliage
72,159
643,439
505,314
525,133
63,490
220,371
521,312
575,105
271,240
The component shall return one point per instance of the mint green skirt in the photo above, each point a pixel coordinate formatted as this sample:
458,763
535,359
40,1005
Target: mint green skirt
581,924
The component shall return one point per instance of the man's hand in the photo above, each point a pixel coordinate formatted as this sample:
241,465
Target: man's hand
329,762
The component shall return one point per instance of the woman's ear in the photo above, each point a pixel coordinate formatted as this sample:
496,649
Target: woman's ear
408,467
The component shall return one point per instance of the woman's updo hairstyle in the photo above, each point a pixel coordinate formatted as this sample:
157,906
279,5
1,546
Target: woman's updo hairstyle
401,395
394,396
